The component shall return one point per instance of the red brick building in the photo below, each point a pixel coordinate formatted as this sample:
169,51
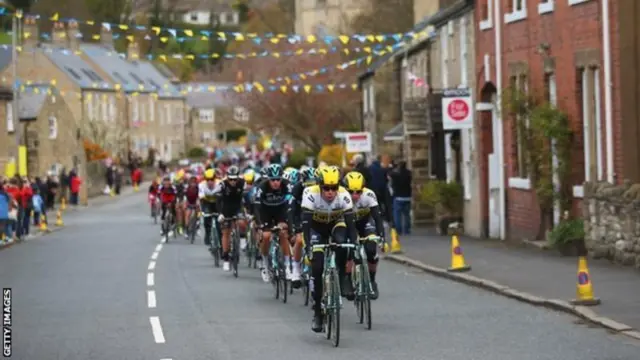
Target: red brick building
552,47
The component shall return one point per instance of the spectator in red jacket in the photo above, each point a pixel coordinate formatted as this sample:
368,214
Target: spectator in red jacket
24,215
74,187
136,177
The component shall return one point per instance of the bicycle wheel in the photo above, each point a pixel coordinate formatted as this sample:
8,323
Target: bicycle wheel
305,290
215,248
192,228
235,252
357,280
335,317
366,299
249,252
282,277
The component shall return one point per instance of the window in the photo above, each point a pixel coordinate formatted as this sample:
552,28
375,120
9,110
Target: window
11,127
464,53
96,106
371,98
223,19
194,17
486,10
135,115
206,115
53,127
545,6
589,101
517,10
143,110
178,114
229,17
240,114
519,83
365,98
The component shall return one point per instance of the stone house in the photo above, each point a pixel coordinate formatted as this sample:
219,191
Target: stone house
50,133
154,108
77,82
326,16
8,148
211,113
553,49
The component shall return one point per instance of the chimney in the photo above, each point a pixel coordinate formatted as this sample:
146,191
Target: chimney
106,37
75,37
30,35
133,51
59,35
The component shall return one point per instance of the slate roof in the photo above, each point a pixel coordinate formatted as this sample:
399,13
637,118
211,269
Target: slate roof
5,56
78,70
31,102
206,99
151,75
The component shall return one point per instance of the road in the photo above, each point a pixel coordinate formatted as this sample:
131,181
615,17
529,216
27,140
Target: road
85,293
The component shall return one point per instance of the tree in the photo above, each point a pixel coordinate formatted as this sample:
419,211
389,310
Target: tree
308,117
105,138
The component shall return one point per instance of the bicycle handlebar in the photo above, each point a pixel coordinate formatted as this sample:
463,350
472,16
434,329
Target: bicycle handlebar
333,245
204,214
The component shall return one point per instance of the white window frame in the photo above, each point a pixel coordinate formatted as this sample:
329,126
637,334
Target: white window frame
517,182
143,110
464,53
53,127
11,125
152,109
365,99
206,116
486,24
444,57
546,6
577,2
448,156
371,98
516,14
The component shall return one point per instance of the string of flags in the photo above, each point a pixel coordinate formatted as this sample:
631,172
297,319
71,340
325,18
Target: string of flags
185,33
417,81
250,55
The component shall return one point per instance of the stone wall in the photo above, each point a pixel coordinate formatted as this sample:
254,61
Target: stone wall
612,222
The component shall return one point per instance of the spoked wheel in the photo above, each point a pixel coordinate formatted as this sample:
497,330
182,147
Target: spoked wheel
365,302
305,290
284,282
335,318
215,251
236,255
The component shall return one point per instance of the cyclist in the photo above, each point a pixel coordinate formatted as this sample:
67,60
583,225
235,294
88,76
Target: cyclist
191,194
208,203
295,227
272,198
327,212
179,184
153,194
168,194
366,208
230,193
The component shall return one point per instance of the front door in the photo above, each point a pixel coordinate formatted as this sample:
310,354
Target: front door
493,172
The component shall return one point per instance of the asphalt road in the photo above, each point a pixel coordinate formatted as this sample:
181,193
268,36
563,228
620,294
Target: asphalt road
85,293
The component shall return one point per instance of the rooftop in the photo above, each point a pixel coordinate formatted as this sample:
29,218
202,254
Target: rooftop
200,96
32,101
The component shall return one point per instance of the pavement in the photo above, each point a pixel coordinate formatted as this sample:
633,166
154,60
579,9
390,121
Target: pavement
540,277
105,287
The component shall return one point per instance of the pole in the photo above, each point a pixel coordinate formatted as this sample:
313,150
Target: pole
16,93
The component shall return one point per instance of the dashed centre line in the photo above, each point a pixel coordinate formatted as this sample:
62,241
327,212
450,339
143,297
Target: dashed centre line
150,279
151,299
154,256
152,265
156,328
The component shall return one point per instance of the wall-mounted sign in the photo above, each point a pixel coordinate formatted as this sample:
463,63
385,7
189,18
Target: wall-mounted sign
457,108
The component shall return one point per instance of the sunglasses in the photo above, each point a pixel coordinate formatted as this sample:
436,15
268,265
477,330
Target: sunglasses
357,192
330,188
275,180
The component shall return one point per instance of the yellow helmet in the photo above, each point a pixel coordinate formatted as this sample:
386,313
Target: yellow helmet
329,175
210,174
289,169
319,170
354,181
180,174
249,176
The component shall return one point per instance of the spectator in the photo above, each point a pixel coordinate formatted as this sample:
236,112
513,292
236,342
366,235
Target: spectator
5,207
39,211
24,213
74,186
379,184
52,190
401,185
118,177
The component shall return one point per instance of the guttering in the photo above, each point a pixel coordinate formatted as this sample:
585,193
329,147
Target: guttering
608,101
501,164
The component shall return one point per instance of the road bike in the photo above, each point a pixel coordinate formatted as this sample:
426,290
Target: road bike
168,225
276,266
234,252
331,297
192,225
362,282
153,203
215,246
252,244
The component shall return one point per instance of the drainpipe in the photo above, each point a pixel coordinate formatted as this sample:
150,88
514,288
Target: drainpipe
606,48
501,164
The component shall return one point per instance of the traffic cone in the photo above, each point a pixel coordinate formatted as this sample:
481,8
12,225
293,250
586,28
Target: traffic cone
457,259
63,204
112,193
135,187
43,223
584,288
395,243
59,219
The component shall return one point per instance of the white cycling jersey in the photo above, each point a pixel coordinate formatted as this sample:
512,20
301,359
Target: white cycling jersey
205,193
323,211
364,204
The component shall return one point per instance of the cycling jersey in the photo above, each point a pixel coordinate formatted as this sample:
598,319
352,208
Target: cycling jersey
192,194
273,204
230,197
207,194
366,209
167,194
324,212
364,204
294,206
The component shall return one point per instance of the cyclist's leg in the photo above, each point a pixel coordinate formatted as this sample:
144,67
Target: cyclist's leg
371,249
339,235
226,232
164,210
317,268
208,220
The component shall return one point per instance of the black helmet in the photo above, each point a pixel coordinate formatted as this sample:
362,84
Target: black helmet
233,172
274,171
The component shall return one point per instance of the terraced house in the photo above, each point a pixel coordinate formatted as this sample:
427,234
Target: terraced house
154,107
77,82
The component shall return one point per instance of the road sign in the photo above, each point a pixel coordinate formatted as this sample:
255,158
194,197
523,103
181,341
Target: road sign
457,109
358,142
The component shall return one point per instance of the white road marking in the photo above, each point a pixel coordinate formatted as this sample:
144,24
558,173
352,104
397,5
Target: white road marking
151,299
152,265
158,247
157,329
154,256
150,279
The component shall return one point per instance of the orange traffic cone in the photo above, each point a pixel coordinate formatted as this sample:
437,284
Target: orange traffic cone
457,259
59,221
43,223
395,243
584,289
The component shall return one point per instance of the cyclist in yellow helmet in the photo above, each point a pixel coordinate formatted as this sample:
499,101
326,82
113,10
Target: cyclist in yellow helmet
327,213
366,209
206,193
